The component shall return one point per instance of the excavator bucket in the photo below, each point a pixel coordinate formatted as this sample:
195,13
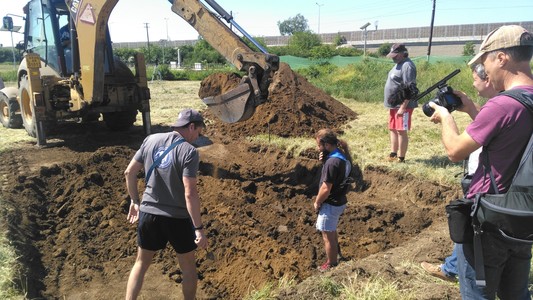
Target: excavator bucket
236,105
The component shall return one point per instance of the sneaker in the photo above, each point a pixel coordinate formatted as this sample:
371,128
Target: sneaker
392,158
326,267
436,270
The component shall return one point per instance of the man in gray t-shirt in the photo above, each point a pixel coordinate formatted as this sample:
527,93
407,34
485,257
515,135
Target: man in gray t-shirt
403,73
170,208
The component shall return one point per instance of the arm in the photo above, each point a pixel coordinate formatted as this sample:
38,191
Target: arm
402,108
131,184
409,76
458,146
192,200
323,193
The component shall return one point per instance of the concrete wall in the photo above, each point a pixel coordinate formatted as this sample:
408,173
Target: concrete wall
446,40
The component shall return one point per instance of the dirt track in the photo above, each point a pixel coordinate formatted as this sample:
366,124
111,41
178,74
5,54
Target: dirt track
65,206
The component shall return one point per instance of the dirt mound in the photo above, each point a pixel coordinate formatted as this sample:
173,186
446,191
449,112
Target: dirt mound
294,108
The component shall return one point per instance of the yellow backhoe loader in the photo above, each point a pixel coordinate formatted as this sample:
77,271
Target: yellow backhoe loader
69,70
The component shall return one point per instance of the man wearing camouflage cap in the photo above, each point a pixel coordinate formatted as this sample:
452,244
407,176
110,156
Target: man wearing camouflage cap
503,127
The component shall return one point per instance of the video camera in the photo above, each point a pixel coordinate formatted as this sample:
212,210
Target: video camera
445,96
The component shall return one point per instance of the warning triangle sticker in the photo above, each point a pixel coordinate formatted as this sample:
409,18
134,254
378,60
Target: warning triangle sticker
87,15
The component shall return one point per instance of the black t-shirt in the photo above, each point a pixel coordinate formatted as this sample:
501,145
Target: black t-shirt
333,172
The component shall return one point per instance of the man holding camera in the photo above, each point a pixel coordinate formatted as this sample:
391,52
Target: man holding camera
402,75
503,127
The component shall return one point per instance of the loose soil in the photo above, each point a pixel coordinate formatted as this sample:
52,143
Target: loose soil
65,210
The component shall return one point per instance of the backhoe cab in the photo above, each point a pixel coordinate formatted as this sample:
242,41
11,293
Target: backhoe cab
69,73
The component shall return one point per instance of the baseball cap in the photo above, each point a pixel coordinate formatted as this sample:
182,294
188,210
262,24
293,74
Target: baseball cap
395,49
187,116
504,37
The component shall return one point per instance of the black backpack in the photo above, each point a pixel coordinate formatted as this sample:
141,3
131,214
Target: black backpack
510,214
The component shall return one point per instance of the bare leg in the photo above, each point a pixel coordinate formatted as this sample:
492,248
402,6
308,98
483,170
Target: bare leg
331,246
393,141
136,279
403,142
187,263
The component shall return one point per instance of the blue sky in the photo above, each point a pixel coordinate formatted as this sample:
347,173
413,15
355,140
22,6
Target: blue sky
259,18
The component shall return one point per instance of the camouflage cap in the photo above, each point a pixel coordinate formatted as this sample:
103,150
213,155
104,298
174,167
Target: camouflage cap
504,37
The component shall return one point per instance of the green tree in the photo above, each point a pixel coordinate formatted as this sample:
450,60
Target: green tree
322,52
203,52
301,42
292,25
125,54
339,40
384,49
468,49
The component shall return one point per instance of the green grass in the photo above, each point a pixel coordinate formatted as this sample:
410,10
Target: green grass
8,271
375,288
270,289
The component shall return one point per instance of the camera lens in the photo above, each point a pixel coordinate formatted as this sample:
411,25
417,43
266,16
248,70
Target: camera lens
428,111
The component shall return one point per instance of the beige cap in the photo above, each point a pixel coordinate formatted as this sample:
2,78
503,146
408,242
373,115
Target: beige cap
504,37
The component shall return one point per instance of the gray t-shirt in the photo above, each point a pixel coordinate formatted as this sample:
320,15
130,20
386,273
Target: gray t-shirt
165,194
403,72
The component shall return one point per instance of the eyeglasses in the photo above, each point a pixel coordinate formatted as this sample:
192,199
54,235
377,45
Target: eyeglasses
480,71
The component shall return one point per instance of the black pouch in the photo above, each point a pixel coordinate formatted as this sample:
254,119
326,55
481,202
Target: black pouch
511,213
460,221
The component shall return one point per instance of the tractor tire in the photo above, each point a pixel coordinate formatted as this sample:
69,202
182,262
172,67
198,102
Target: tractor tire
90,117
8,112
120,121
29,120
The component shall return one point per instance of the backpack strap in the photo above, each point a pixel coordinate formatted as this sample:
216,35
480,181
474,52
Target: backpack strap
348,167
160,158
521,177
522,96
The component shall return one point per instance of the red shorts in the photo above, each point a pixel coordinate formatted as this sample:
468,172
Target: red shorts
400,122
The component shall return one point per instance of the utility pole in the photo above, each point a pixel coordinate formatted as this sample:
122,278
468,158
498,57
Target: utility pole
365,34
147,41
431,29
319,5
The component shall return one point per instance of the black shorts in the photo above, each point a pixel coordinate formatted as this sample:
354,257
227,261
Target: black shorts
154,232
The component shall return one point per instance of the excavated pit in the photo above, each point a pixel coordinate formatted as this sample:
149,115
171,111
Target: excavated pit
65,206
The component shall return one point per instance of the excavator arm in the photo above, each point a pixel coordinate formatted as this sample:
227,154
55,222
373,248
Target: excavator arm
91,18
238,104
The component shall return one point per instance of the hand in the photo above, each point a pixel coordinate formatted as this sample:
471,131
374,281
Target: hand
133,213
439,114
201,239
468,106
321,156
400,111
317,206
